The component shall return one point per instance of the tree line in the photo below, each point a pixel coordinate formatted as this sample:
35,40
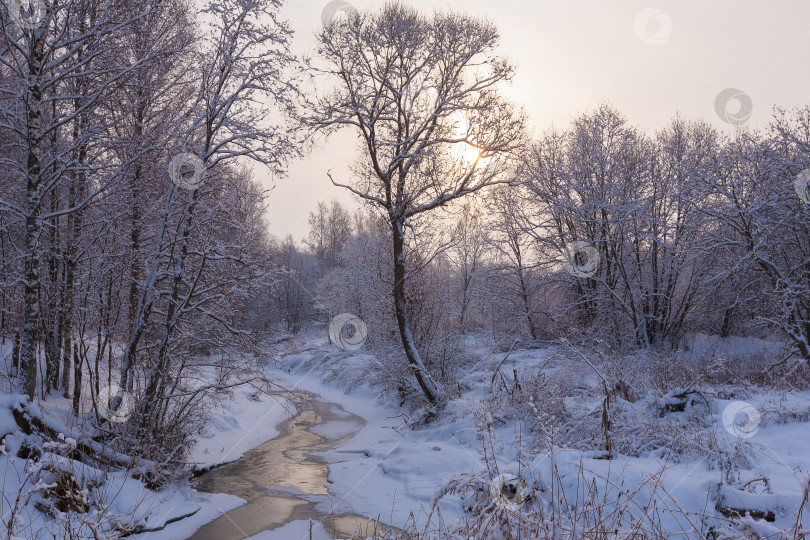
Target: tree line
132,232
599,230
133,237
603,232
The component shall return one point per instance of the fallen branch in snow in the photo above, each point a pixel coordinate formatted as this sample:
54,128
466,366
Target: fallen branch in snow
139,530
90,450
735,503
678,401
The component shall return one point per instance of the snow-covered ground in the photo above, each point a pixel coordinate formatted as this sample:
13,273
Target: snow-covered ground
395,467
242,423
387,470
127,501
245,422
394,471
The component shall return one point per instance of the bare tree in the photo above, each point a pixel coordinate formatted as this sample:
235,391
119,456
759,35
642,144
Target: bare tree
56,81
758,206
294,292
515,261
633,200
420,92
329,229
467,254
245,61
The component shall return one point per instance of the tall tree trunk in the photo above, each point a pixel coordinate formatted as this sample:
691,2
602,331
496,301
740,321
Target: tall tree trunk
726,327
524,289
145,302
67,318
31,310
138,312
157,377
135,246
424,379
527,308
135,219
33,227
3,293
74,226
15,353
466,284
77,378
51,325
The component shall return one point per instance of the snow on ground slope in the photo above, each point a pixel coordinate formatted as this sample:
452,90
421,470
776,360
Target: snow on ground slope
244,422
393,468
295,530
394,471
236,426
386,470
96,503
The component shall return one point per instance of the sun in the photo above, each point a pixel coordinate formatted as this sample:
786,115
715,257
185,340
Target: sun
469,153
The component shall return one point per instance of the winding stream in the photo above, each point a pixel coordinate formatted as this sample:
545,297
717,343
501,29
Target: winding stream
282,481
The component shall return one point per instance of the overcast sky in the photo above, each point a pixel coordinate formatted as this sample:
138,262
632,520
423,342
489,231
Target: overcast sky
650,60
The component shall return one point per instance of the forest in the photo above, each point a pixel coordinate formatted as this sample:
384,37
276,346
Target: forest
570,298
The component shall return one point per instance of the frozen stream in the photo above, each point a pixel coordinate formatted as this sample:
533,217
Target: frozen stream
282,481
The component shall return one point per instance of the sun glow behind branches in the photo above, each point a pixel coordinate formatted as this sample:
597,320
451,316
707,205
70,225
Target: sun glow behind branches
468,153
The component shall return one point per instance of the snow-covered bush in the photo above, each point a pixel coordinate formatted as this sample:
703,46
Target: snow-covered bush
58,486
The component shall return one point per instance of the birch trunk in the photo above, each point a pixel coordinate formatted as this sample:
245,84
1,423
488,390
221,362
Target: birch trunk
29,337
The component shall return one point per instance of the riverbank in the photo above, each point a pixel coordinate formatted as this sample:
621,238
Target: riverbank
379,469
284,482
245,421
393,468
677,470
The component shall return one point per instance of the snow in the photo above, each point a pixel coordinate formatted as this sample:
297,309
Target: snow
335,430
7,422
385,469
247,421
296,530
700,344
394,469
211,506
391,470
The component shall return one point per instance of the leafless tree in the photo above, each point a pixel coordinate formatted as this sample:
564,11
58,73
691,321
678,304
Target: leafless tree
468,254
420,92
329,229
58,74
634,200
760,217
515,267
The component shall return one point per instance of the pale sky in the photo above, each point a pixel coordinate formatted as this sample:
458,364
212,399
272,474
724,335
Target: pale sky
650,60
